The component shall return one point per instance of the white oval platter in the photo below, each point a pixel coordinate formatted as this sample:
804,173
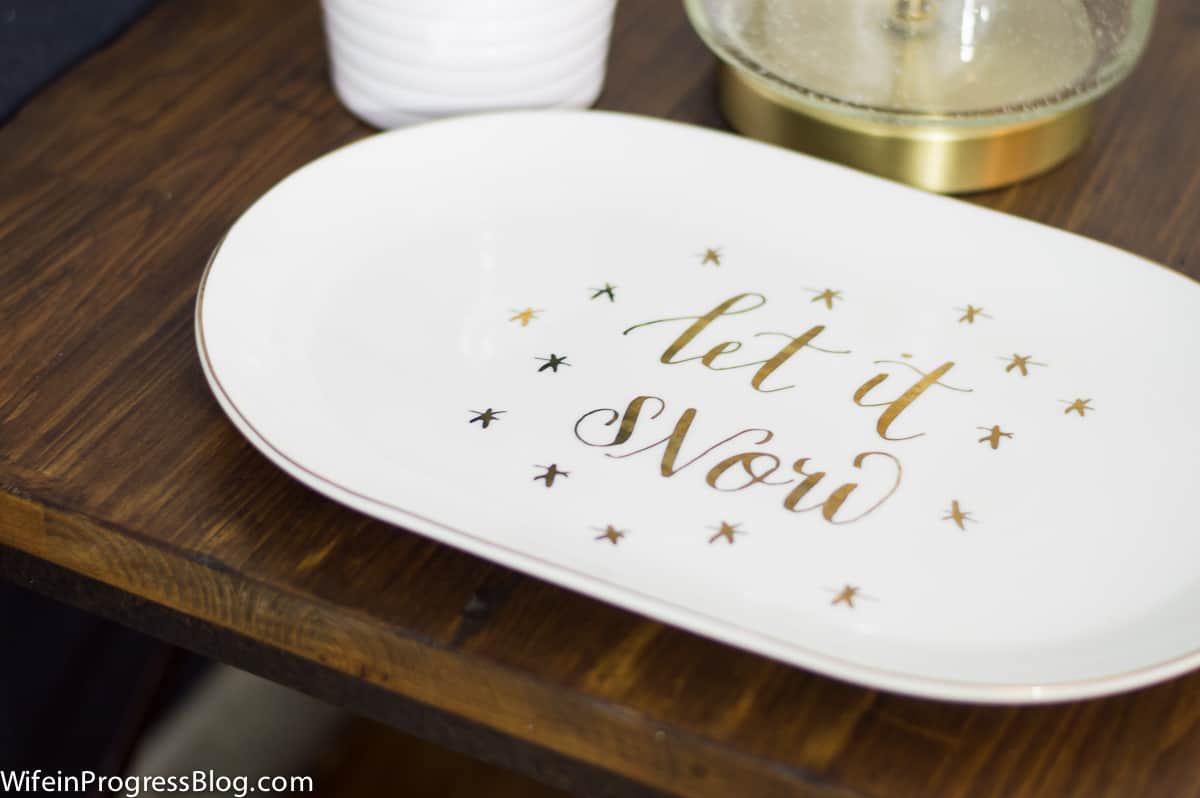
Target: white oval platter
879,434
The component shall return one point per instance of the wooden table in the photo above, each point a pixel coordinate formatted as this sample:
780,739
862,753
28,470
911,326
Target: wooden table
125,491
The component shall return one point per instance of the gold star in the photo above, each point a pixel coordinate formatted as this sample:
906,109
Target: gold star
1079,406
525,316
727,531
1020,362
958,515
552,362
486,416
607,290
828,295
969,314
846,596
994,435
552,471
712,256
611,533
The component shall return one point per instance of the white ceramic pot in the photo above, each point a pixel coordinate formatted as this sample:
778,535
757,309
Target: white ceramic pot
394,62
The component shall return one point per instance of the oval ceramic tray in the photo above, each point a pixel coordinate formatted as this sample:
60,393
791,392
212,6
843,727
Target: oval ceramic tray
882,435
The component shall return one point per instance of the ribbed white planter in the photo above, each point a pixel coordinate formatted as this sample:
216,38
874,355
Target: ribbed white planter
394,62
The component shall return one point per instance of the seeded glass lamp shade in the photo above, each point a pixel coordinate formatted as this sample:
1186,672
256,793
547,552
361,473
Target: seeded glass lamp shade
950,95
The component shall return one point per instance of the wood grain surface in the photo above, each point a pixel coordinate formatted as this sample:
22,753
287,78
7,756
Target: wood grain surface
124,489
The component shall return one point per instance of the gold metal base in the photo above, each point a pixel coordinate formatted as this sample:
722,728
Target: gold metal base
946,158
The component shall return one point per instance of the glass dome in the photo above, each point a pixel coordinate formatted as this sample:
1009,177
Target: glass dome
918,61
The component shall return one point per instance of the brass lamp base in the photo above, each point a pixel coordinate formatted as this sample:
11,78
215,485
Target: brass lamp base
947,158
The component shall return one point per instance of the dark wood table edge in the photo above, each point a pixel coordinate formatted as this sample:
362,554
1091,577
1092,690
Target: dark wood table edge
407,715
580,745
